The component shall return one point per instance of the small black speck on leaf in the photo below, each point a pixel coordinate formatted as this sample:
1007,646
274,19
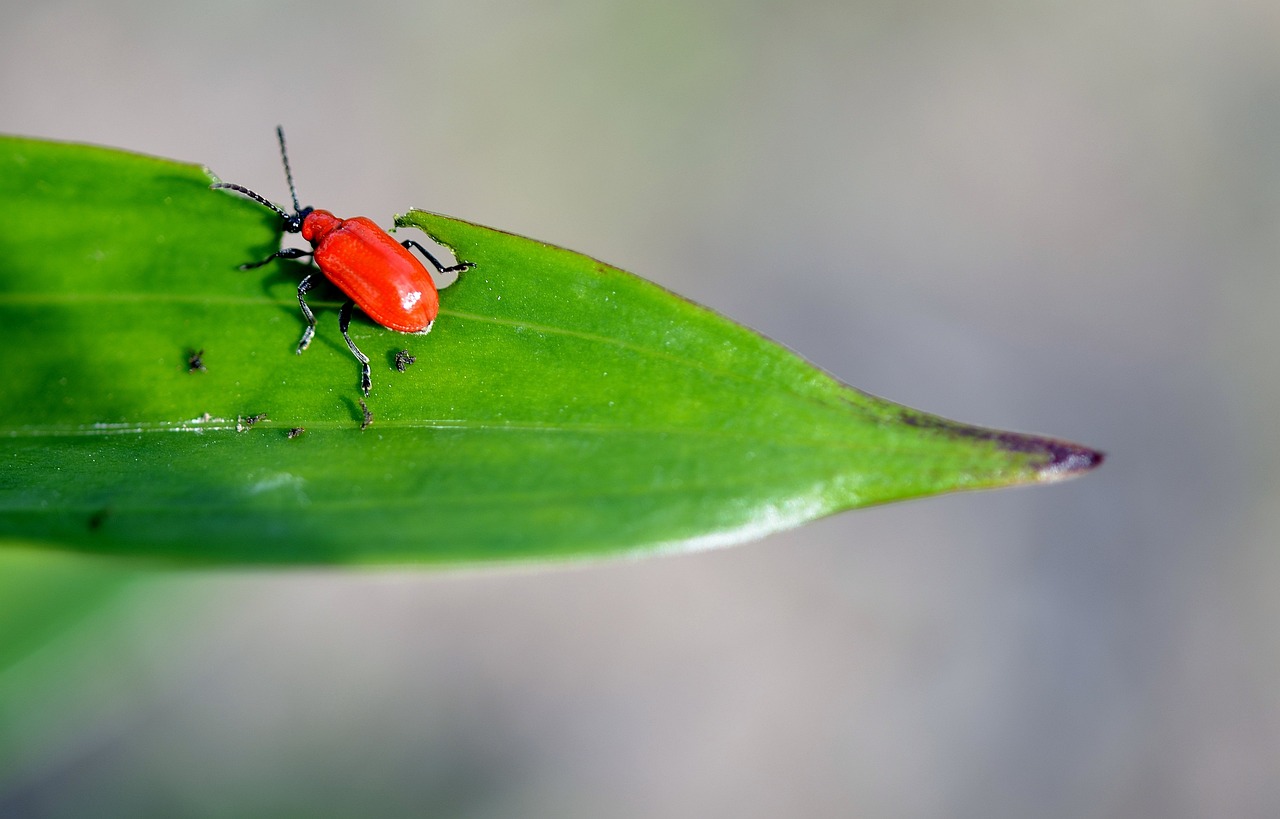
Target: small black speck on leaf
195,361
246,422
295,432
368,416
404,359
97,519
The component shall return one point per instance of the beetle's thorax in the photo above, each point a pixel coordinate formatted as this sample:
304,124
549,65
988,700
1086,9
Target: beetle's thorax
318,225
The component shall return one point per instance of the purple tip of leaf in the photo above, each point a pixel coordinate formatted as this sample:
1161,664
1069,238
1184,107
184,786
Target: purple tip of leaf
1063,459
1066,460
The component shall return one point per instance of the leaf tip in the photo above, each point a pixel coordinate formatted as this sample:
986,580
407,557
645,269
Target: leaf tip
1067,460
1063,459
1052,459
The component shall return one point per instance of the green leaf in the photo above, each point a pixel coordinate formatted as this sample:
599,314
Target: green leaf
559,407
42,593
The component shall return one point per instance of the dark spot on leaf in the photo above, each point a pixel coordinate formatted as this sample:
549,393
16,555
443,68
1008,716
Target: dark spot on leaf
98,518
195,361
368,416
404,359
295,432
244,423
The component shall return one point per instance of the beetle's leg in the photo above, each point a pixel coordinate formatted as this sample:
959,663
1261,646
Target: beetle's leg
344,321
457,268
303,287
282,253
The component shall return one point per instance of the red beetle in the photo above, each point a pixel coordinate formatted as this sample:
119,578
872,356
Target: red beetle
378,274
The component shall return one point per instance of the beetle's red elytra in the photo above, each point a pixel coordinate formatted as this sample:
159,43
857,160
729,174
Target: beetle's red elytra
402,296
378,274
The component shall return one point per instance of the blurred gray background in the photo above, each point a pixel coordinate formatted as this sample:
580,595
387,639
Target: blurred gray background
1060,217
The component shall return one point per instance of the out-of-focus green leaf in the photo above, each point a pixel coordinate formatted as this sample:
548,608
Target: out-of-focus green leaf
559,407
42,592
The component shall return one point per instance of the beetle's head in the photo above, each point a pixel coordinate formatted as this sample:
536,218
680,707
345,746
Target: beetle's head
293,223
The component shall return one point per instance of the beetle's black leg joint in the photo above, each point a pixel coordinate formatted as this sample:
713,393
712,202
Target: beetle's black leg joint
282,253
303,287
344,321
440,268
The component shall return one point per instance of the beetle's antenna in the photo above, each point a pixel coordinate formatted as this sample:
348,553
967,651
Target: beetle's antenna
255,197
288,174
